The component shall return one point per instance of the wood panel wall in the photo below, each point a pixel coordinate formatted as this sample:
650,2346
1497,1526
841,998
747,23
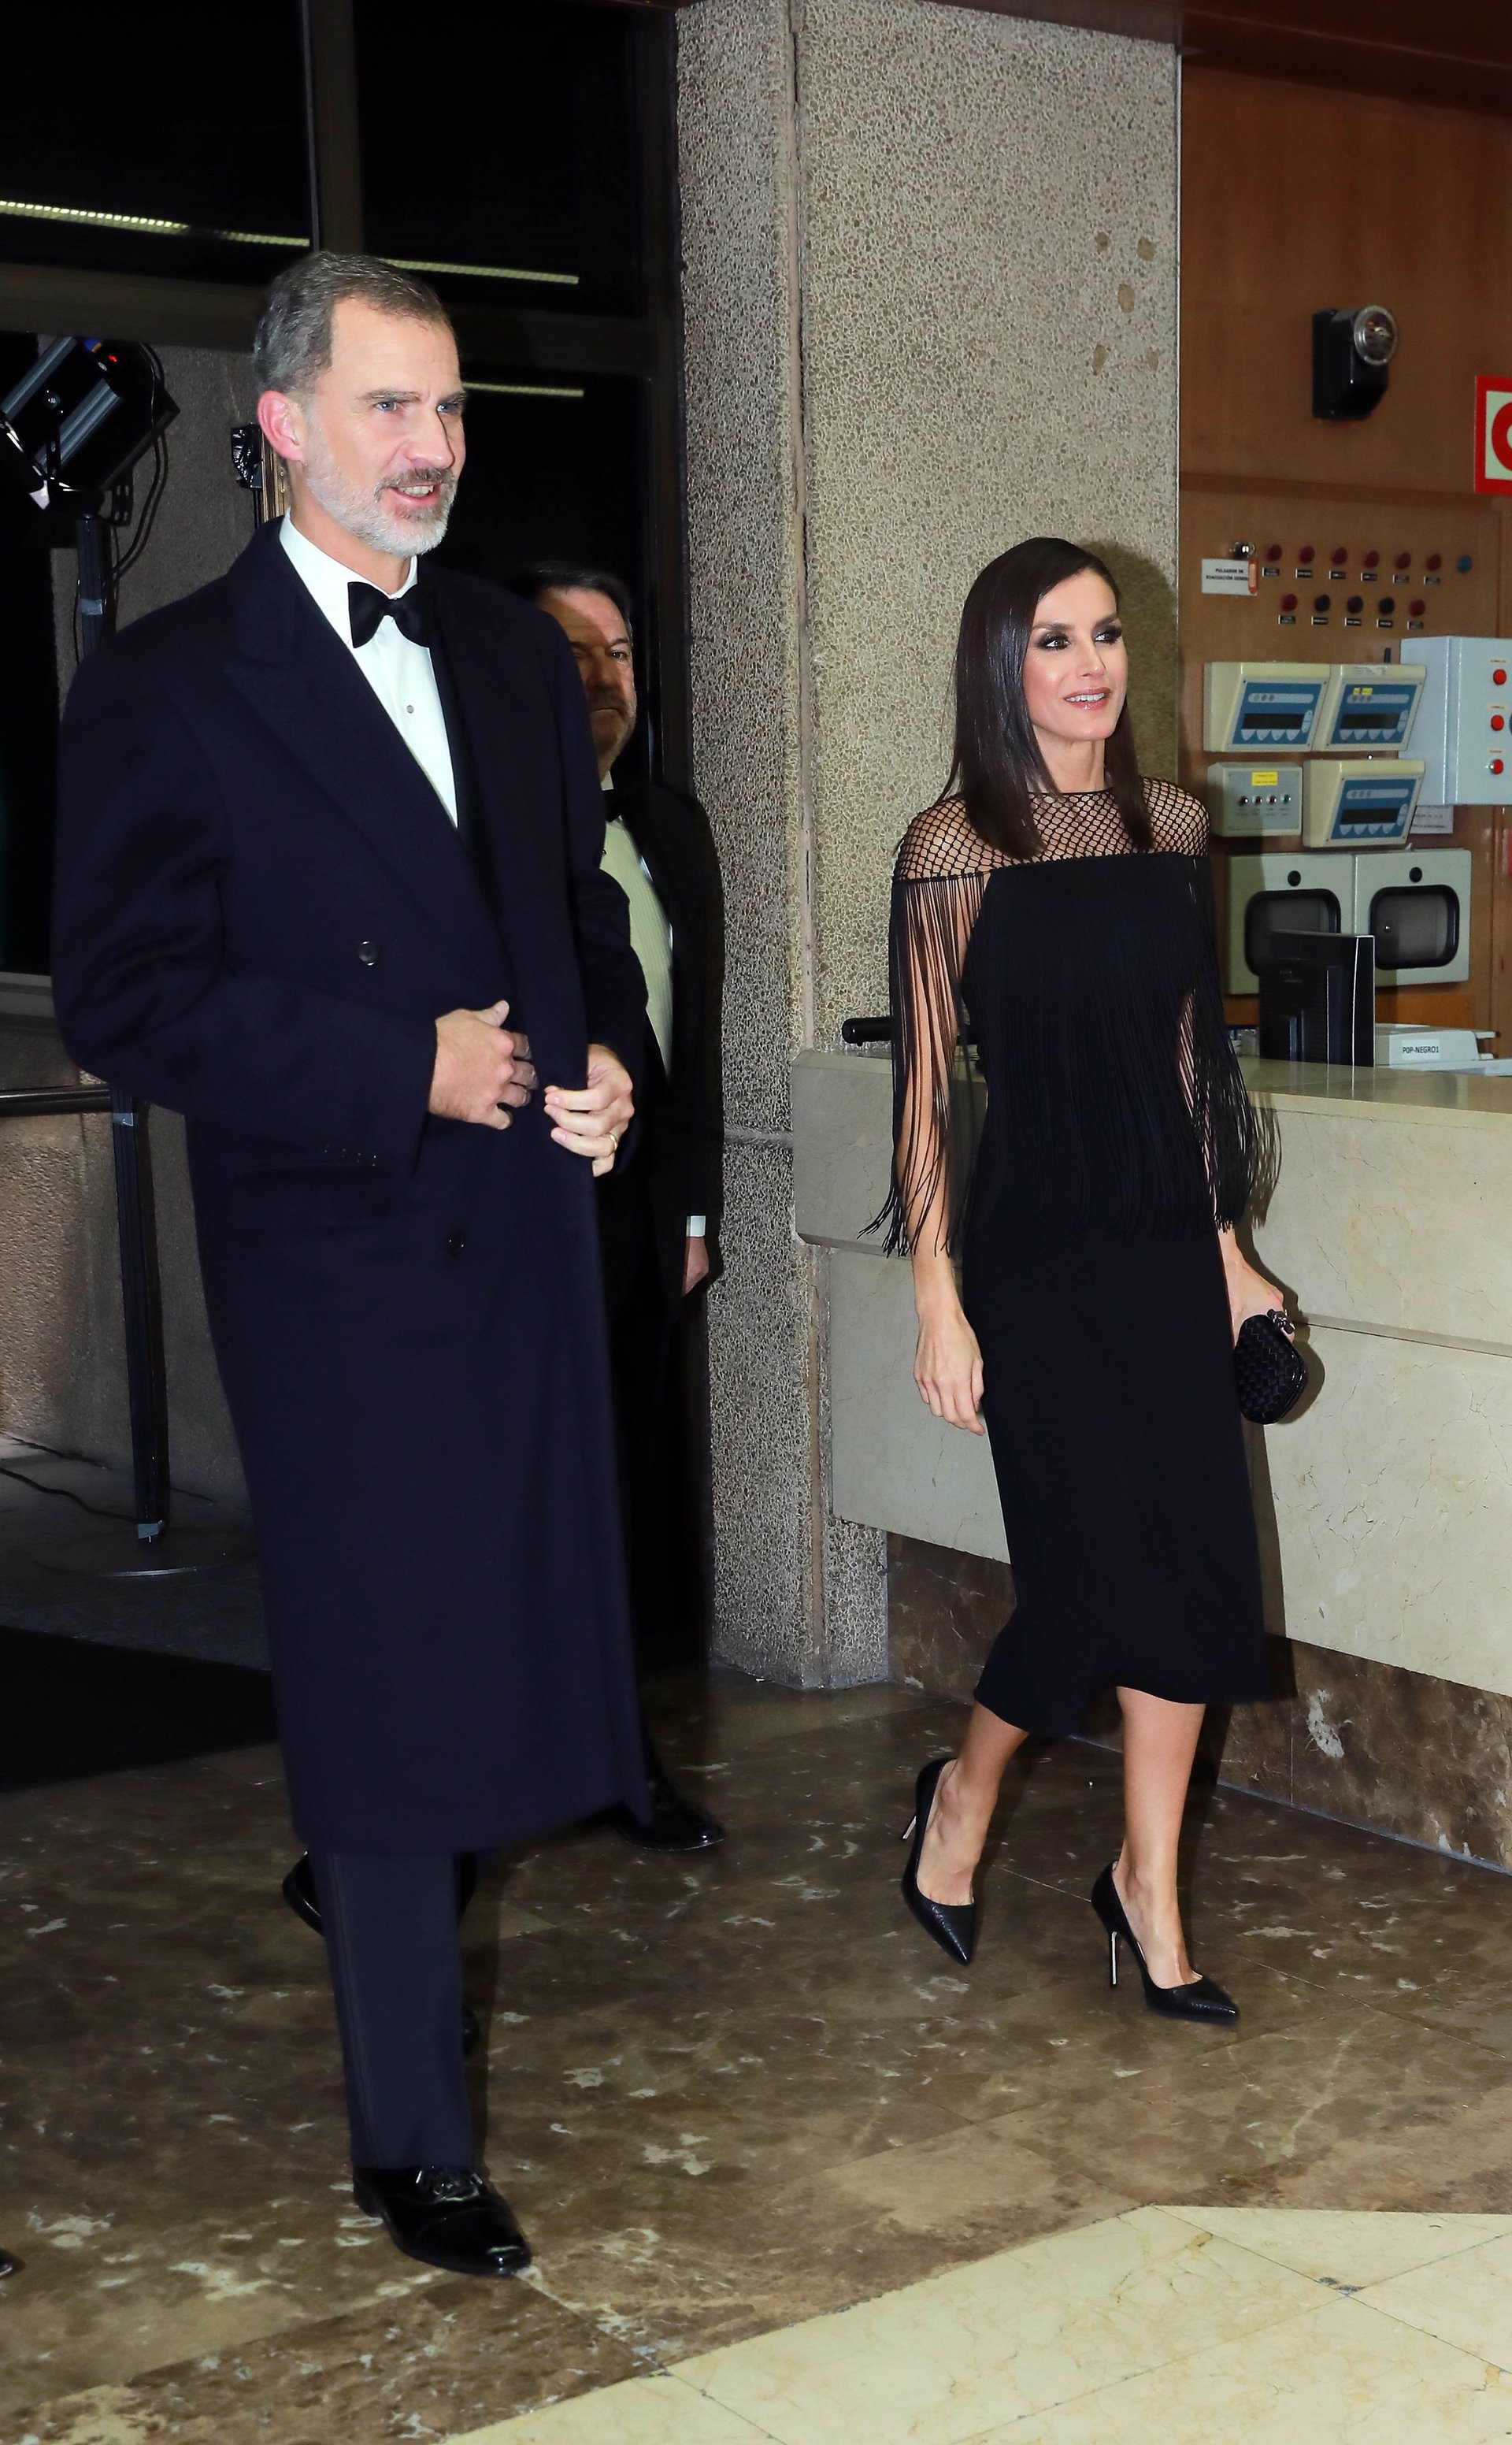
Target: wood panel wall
1293,199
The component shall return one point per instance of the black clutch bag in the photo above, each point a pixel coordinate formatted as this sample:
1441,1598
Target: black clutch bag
1269,1369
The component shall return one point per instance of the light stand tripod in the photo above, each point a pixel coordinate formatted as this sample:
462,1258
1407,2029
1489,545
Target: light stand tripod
148,1546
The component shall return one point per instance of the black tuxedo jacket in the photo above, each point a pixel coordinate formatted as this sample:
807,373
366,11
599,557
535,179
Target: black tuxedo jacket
675,1166
261,907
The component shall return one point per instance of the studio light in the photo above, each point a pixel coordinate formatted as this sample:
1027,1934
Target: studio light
1353,346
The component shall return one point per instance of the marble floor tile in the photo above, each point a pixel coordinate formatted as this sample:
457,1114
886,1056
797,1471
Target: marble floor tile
1465,2300
1340,2375
727,2095
1349,2250
443,2355
1010,2335
649,2411
1353,2088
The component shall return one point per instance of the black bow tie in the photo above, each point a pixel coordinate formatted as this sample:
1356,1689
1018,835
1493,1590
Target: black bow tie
413,614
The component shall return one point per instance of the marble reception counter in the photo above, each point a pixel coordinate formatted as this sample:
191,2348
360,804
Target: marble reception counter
1385,1505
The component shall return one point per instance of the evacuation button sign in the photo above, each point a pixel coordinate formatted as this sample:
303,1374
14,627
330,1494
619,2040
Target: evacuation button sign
1493,433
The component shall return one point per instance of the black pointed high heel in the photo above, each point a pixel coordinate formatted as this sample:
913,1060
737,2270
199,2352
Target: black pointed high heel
953,1925
1202,2001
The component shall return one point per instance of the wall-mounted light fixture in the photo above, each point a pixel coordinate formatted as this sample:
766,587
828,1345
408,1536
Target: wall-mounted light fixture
1353,347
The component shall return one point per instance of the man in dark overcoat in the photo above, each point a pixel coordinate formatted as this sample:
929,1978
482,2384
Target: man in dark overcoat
329,884
659,1211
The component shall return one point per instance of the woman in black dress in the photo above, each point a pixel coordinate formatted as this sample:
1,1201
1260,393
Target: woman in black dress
1060,908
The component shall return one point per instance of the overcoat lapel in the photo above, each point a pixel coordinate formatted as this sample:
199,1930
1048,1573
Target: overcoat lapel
305,686
503,711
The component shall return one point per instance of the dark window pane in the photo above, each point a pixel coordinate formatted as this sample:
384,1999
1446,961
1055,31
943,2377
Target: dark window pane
556,469
526,163
193,117
29,721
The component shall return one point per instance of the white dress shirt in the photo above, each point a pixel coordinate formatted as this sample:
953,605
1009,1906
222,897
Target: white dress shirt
397,671
650,940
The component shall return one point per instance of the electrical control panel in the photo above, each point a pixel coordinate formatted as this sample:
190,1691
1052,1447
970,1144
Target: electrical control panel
1350,802
1416,903
1256,706
1369,705
1462,729
1244,801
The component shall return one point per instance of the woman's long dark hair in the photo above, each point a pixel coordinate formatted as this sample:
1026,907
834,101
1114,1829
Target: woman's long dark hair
998,770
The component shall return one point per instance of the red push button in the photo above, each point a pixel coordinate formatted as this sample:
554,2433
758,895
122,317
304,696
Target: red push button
1498,722
1496,764
1498,679
1415,611
1404,560
1435,560
1373,560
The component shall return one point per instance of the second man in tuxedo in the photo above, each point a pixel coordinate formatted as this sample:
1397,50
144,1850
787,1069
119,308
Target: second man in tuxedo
658,1210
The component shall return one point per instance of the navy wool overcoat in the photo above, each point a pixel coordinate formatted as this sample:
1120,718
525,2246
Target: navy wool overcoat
262,906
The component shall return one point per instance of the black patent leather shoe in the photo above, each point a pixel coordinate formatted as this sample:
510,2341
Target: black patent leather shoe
676,1824
298,1890
1203,2000
444,2215
953,1925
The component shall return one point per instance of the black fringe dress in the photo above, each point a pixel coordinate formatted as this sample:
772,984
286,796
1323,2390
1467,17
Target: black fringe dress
1117,1136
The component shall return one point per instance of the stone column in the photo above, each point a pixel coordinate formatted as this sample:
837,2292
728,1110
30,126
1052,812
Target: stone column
930,308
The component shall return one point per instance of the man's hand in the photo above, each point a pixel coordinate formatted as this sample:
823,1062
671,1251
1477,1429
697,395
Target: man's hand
591,1120
695,1262
482,1070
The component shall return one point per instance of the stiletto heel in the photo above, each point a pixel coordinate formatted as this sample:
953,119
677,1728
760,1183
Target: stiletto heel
953,1925
1205,2000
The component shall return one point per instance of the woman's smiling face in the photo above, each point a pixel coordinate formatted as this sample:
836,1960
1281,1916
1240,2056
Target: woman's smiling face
1077,667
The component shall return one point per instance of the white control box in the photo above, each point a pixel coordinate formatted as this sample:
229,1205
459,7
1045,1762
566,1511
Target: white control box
1355,802
1370,707
1462,732
1417,902
1292,890
1246,801
1250,707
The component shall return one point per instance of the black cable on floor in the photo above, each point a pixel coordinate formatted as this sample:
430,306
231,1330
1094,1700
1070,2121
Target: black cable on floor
67,1493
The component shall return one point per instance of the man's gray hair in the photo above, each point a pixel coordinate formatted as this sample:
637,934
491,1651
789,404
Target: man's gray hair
292,346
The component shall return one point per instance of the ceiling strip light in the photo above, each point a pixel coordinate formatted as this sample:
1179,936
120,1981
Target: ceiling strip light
146,225
529,390
482,271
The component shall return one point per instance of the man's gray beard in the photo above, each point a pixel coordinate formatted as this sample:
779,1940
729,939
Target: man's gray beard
362,514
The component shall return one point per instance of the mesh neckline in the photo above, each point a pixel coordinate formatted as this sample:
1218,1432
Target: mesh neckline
943,841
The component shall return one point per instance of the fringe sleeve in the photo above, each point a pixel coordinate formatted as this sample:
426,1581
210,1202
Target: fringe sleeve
1235,1148
930,928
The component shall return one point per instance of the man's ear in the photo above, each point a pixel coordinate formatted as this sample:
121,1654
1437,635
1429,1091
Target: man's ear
283,422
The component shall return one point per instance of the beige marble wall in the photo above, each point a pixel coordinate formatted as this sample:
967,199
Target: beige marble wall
1385,1507
904,352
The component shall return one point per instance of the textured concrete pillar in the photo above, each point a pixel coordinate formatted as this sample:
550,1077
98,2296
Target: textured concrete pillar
930,308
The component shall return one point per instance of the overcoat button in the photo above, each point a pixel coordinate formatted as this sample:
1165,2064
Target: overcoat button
367,953
456,1244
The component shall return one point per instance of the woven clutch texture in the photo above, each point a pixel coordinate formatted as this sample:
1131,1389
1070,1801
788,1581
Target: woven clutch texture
1270,1370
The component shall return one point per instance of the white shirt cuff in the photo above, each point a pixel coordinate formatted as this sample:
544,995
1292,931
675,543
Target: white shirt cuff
697,1226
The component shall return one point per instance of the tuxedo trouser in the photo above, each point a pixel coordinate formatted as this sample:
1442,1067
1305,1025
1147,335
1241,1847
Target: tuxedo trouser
396,1969
642,1339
